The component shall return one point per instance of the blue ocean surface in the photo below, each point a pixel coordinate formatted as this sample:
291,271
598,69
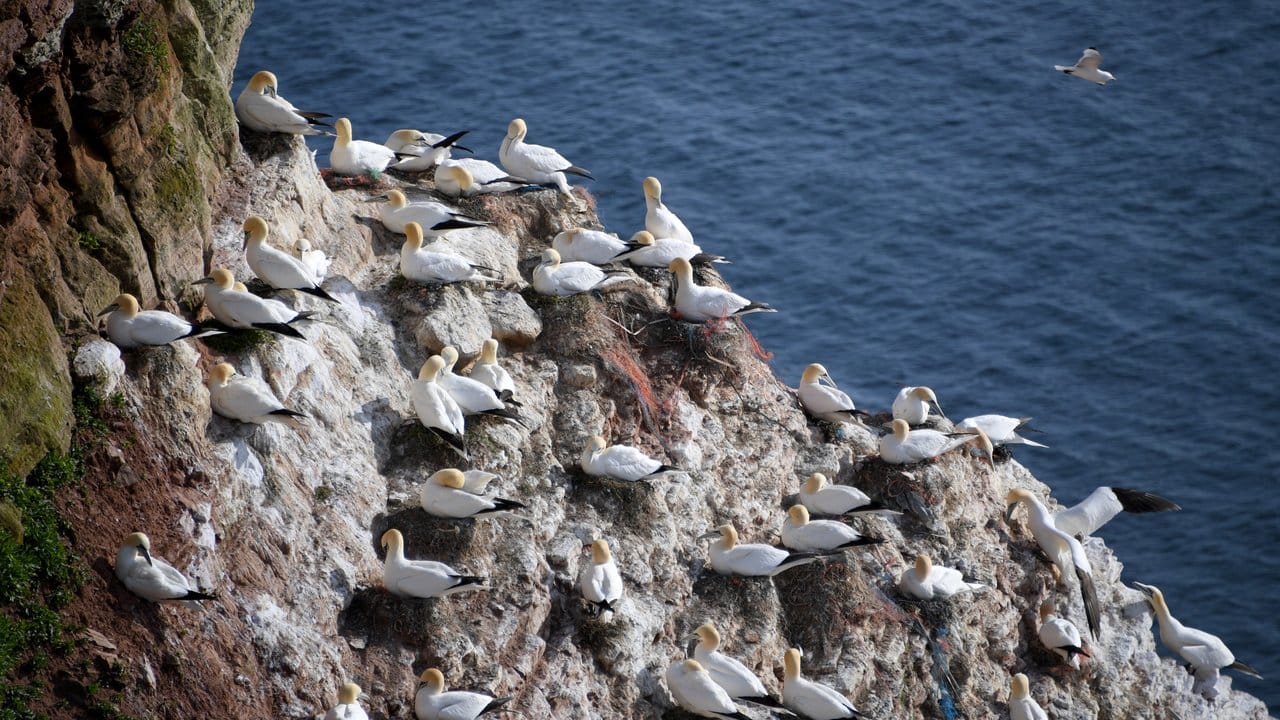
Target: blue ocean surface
927,202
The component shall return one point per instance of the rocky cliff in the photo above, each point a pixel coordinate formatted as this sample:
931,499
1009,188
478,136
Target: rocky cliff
129,174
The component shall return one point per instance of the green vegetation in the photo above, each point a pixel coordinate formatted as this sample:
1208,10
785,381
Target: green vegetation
143,41
233,343
89,242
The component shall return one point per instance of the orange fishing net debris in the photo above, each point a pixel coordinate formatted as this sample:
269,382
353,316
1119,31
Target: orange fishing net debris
755,346
636,376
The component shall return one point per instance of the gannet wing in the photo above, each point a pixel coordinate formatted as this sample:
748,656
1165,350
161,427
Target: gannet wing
1091,59
1103,504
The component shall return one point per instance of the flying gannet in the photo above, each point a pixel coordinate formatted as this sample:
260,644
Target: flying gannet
1206,653
420,578
926,581
658,220
600,582
825,499
348,707
246,311
275,267
357,157
809,699
467,176
246,399
1060,635
825,402
913,404
1000,429
1021,705
591,246
149,577
435,218
432,702
737,680
700,303
552,277
1087,68
315,260
445,495
129,327
905,445
654,253
752,560
436,268
535,163
621,462
436,408
261,109
419,150
695,691
801,533
1063,550
488,371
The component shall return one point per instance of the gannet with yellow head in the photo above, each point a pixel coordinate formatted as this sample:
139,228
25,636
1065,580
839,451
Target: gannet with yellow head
694,690
737,679
536,163
149,577
468,176
488,371
658,218
355,158
751,560
419,151
825,402
926,581
1021,705
129,326
905,445
801,533
651,252
810,699
348,707
260,108
562,279
275,267
435,267
1206,653
1062,549
420,578
702,303
620,462
600,582
246,399
436,409
822,498
913,404
244,310
432,702
444,494
434,217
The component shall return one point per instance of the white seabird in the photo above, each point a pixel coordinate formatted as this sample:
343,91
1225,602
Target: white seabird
658,220
1060,636
621,462
737,679
600,582
810,699
654,253
1085,517
535,163
348,707
357,157
419,150
1021,705
151,578
591,246
1001,430
751,560
926,581
825,499
1206,653
695,691
468,176
552,277
435,218
801,533
432,702
1087,68
275,267
905,445
420,578
261,109
825,402
243,310
700,303
1063,550
433,267
445,494
436,409
913,404
473,396
488,371
129,327
315,260
247,399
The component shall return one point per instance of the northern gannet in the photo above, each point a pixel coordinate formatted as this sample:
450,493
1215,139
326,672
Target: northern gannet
1021,705
261,109
1060,635
752,560
695,691
600,582
348,707
905,445
419,150
913,404
151,578
1087,68
315,260
436,409
488,371
420,578
621,462
129,327
809,699
700,303
429,266
472,396
467,176
658,220
246,311
552,277
825,499
357,157
432,702
737,679
435,218
591,246
1206,653
1001,430
535,163
247,399
275,267
445,494
926,581
825,402
1063,550
1085,517
655,253
801,533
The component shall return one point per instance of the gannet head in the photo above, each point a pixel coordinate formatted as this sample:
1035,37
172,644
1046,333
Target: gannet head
348,693
791,663
461,176
396,199
255,230
1011,501
222,279
551,258
643,238
407,136
600,552
799,515
263,80
431,368
343,128
301,245
449,477
681,269
1154,595
1046,609
142,543
815,372
1019,689
489,352
450,355
433,679
653,188
125,303
900,429
220,374
569,235
924,566
240,287
728,535
392,539
815,483
691,666
982,445
516,129
926,394
707,636
412,236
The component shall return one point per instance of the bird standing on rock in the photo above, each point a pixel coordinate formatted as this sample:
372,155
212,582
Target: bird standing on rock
151,578
600,582
274,267
355,158
246,399
1206,653
348,707
535,163
701,303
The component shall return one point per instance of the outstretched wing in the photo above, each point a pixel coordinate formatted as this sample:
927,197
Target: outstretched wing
1091,59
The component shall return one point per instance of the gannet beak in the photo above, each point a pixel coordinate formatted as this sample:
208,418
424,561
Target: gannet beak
938,409
202,281
692,636
146,554
246,239
1008,512
1147,590
714,533
109,308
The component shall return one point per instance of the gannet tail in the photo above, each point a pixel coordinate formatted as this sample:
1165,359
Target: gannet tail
1064,68
754,307
454,441
1090,595
289,417
1137,501
494,704
506,414
708,258
861,541
315,117
764,700
580,172
318,292
506,397
449,141
1237,665
197,595
502,505
457,224
463,582
281,329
